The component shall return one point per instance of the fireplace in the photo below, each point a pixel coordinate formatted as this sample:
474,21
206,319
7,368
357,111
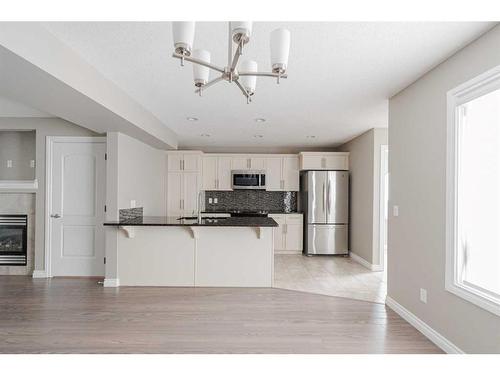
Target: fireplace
13,240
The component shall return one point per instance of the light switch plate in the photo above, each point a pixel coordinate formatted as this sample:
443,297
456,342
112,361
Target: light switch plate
132,204
32,164
9,163
395,210
423,295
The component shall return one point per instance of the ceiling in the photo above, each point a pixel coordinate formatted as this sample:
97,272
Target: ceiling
340,76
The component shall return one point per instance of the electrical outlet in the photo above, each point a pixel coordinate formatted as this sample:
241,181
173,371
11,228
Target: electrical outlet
423,295
9,163
132,204
216,201
210,200
395,210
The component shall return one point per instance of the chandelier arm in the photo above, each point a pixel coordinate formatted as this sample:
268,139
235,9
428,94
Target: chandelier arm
237,54
229,44
263,74
199,62
240,86
209,83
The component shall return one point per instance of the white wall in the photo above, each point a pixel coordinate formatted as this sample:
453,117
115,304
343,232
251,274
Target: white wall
364,167
134,171
44,127
417,164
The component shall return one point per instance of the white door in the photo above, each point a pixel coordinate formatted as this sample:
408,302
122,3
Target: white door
291,173
224,173
209,172
274,181
174,194
76,210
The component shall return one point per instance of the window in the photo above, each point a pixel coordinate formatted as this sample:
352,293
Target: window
473,191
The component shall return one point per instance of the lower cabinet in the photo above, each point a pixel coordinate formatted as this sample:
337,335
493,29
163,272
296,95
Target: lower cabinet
288,235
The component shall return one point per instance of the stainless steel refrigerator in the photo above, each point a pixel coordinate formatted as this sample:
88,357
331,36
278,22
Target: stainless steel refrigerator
324,199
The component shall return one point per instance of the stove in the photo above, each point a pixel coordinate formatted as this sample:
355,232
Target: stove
242,213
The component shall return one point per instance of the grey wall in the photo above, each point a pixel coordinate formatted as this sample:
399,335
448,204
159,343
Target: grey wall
44,127
19,147
417,165
134,171
364,167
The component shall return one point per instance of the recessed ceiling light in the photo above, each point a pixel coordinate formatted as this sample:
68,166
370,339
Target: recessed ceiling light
258,136
205,135
192,118
311,136
260,119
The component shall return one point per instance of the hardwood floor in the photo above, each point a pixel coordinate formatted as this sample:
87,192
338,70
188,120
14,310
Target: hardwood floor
79,316
334,276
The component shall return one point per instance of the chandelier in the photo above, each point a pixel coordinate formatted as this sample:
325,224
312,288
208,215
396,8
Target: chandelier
245,75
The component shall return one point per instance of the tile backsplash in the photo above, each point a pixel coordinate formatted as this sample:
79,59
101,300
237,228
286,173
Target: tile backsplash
244,200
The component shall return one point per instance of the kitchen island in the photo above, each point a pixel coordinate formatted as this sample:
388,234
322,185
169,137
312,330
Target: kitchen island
211,252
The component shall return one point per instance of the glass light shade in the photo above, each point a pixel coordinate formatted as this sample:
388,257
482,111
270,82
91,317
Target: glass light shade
183,33
248,82
280,48
241,31
200,72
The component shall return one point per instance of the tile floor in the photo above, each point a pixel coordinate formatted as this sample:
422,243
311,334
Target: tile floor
334,276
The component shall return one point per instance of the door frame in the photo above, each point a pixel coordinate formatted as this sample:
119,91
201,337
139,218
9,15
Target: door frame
49,150
382,224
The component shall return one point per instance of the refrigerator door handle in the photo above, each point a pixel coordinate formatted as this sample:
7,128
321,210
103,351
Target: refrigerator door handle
329,202
324,196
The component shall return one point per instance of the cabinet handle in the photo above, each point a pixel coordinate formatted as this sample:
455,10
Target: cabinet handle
180,204
285,227
249,163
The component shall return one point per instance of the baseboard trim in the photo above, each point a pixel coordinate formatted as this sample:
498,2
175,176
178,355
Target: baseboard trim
442,342
365,263
39,274
111,283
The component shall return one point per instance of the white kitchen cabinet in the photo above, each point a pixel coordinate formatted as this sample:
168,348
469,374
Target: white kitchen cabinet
224,173
190,190
288,235
290,173
174,194
216,172
182,193
274,180
282,173
189,161
209,173
257,163
324,160
241,162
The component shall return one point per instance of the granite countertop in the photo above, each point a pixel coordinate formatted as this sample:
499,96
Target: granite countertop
165,221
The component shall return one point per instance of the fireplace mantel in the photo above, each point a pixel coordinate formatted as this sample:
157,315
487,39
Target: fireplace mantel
18,185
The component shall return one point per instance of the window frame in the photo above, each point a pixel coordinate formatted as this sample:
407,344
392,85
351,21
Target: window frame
470,90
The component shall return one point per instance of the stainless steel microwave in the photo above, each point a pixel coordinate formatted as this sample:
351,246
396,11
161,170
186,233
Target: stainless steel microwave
248,179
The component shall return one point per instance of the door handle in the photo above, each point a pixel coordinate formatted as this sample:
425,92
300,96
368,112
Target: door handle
55,216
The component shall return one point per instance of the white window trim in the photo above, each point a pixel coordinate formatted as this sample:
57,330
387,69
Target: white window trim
466,92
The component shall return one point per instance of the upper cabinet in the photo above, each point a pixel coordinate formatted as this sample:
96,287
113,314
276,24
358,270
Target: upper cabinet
324,160
179,161
282,173
246,162
216,172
